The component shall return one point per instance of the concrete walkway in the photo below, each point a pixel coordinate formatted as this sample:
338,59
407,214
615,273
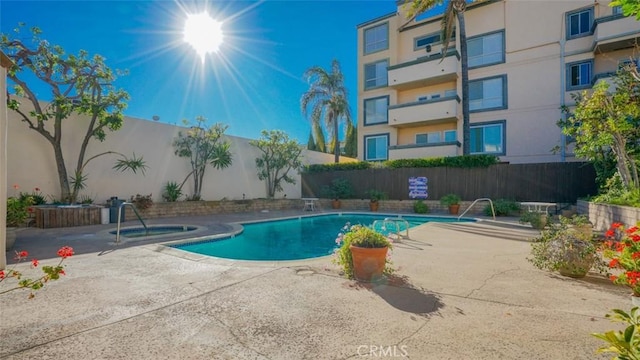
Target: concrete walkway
462,291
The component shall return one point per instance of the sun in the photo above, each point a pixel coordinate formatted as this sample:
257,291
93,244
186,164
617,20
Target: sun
203,33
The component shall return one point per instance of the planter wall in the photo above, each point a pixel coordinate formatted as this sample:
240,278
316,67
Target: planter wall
603,215
56,217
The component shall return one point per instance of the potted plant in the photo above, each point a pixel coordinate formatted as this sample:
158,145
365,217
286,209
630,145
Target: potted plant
622,249
363,253
17,214
374,197
419,207
339,189
560,248
452,201
537,219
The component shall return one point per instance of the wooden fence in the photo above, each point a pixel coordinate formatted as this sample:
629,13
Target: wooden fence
548,182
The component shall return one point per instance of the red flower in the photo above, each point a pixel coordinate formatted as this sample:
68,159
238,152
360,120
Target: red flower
608,243
635,255
632,229
61,272
613,278
617,225
37,189
613,263
65,252
2,274
21,255
31,209
635,237
610,233
34,262
16,187
620,247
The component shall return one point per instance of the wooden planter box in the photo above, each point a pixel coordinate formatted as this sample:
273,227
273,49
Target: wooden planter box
55,216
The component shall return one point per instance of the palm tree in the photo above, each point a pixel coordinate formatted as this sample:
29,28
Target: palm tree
327,101
455,10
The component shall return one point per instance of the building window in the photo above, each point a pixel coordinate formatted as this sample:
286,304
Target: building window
488,94
375,110
376,38
579,23
487,138
436,137
579,75
616,10
375,74
486,49
376,147
423,41
627,64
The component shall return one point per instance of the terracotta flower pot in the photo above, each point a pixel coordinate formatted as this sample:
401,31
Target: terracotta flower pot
368,263
373,205
335,204
454,209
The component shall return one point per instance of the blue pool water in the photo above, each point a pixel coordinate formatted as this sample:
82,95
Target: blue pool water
291,239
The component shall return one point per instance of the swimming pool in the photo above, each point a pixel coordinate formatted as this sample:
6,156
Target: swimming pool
291,239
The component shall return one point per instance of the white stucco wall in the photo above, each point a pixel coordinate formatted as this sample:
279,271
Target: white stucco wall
31,163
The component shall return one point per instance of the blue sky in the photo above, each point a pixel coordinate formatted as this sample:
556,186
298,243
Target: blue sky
254,83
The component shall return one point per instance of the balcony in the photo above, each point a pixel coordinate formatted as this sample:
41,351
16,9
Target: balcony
424,112
414,151
615,32
424,71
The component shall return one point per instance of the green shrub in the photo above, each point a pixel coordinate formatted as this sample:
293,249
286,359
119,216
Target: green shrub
85,199
503,207
172,191
465,161
359,165
340,188
419,207
450,199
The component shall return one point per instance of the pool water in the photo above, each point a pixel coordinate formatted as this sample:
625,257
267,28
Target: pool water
291,239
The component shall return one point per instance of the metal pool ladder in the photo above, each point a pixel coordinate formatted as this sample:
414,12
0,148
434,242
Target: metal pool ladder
493,211
146,229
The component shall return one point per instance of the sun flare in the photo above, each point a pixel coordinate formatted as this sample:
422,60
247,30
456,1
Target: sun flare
203,33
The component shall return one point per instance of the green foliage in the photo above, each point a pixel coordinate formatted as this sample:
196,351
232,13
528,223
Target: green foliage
339,189
450,199
142,202
606,124
78,84
311,144
565,246
614,193
629,7
624,344
361,236
356,165
376,195
85,199
18,210
279,155
351,143
35,197
326,102
465,161
419,207
172,191
502,207
203,147
536,219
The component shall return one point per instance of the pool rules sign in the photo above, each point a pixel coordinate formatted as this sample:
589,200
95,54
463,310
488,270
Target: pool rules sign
418,187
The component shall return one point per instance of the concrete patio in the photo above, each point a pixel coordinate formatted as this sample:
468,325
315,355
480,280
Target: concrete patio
462,291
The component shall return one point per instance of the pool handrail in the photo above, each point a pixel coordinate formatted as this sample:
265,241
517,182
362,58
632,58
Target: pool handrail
137,214
493,211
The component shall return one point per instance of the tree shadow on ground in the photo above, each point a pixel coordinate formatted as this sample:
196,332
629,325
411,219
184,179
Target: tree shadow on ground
398,292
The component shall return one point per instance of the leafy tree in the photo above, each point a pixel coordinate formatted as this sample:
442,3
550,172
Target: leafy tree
455,10
203,146
279,155
606,121
327,98
351,143
629,7
318,134
311,144
79,84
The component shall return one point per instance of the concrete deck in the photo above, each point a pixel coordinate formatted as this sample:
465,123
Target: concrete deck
462,291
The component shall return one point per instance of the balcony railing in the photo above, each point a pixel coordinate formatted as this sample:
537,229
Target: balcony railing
615,32
413,151
424,71
424,112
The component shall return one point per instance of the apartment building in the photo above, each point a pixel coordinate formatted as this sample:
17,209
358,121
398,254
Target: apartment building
525,57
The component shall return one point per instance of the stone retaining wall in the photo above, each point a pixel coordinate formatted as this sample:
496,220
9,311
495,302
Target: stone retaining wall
603,215
198,208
